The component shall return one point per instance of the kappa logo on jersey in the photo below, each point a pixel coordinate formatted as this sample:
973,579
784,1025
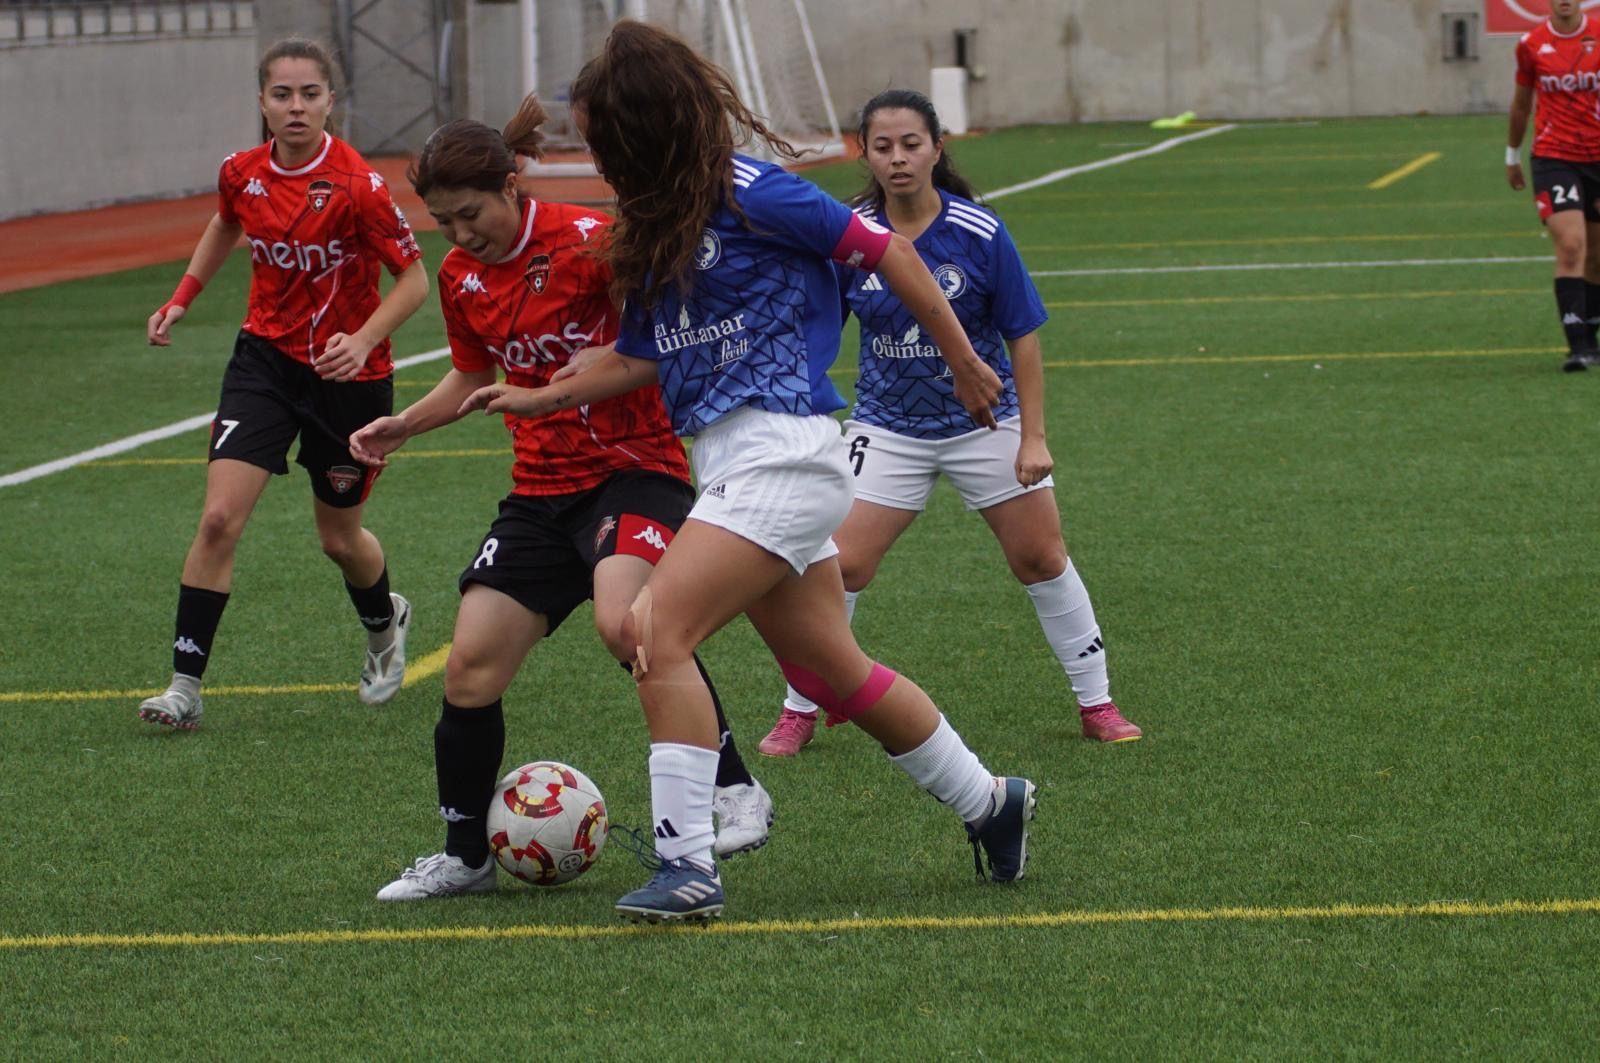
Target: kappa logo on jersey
377,182
318,193
538,273
185,644
400,216
873,284
584,224
343,477
1548,49
471,284
709,252
951,280
255,188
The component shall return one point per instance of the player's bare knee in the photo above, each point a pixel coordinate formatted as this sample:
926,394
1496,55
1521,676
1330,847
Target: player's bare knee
218,529
857,576
1039,566
340,549
613,631
638,637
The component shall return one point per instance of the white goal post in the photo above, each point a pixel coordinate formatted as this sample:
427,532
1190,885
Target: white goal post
766,46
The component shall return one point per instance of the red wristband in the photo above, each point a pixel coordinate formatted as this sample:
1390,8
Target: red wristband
187,289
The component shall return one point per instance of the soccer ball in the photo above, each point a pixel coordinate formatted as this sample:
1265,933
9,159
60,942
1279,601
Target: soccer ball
547,823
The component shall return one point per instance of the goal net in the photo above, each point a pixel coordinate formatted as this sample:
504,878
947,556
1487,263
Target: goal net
766,46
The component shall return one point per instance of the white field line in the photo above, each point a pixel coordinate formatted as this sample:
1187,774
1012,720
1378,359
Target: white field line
133,442
1101,164
188,424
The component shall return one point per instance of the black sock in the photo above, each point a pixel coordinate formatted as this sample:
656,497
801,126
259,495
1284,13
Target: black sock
730,765
199,613
1591,304
1574,320
373,604
467,747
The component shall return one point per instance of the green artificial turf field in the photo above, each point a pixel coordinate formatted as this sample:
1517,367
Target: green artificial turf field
1337,514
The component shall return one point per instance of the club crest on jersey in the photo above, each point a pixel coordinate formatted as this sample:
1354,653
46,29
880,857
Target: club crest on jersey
538,273
318,194
951,280
343,477
709,251
1588,45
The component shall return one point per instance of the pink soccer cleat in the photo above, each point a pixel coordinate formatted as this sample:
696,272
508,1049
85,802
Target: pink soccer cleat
789,735
1103,723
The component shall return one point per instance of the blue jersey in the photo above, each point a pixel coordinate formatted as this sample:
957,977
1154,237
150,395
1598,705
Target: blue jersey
760,323
904,385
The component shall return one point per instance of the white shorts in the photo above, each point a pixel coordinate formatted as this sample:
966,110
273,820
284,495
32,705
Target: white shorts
778,480
899,471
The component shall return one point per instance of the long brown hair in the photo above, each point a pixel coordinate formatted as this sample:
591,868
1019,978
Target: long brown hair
662,123
944,171
468,154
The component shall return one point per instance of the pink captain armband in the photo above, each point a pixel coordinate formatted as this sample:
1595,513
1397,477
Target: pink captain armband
863,244
187,289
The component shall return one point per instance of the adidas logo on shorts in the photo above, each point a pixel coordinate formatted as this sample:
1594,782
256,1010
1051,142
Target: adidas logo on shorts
719,491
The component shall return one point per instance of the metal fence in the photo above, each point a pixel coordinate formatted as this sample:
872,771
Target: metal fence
26,23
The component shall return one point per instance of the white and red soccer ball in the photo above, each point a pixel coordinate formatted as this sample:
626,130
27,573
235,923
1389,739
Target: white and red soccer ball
547,823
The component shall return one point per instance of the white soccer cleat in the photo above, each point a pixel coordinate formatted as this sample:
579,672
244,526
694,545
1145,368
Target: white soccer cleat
385,669
179,707
744,815
439,875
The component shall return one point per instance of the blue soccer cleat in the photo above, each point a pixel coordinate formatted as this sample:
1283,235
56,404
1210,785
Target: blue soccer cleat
680,890
1004,835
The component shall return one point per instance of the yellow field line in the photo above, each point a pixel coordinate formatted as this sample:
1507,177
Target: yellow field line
1037,921
1264,241
477,452
426,667
418,670
1319,297
1327,356
1405,171
1085,363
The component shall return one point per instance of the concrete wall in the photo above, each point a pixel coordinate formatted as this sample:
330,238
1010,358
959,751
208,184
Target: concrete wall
1100,60
84,123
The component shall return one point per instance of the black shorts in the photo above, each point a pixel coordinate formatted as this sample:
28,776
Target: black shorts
1560,185
268,398
542,549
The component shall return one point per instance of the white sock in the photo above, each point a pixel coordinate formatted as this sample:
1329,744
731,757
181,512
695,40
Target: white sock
795,701
1068,621
682,783
947,769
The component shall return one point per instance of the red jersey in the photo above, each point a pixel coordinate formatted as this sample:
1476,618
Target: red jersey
316,234
529,314
1564,70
